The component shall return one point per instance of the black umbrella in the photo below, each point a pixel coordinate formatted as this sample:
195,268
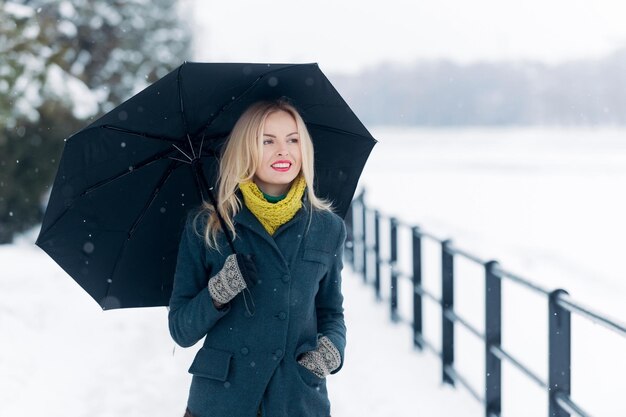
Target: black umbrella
126,182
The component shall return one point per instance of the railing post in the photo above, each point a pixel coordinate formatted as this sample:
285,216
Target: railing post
349,252
493,337
356,237
394,270
364,223
377,253
447,303
417,283
559,351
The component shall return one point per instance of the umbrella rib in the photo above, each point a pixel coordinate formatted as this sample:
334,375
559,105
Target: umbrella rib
172,166
206,154
183,152
179,81
166,175
336,130
193,152
246,91
201,145
106,181
128,171
132,132
180,97
179,160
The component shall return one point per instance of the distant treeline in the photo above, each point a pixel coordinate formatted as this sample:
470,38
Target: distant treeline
443,93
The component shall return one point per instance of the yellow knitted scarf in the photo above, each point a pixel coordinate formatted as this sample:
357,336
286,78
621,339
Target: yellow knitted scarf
273,215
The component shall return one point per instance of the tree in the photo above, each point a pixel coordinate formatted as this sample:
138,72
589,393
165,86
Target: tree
62,64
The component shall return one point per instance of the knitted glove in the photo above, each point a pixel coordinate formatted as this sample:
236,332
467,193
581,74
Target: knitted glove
322,361
237,274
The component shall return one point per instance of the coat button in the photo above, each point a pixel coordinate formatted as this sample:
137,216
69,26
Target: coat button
277,354
285,278
244,351
282,315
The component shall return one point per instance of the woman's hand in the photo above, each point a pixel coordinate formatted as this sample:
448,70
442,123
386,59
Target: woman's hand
238,273
323,360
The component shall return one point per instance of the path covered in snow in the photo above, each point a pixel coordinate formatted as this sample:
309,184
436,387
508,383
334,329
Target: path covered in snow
61,355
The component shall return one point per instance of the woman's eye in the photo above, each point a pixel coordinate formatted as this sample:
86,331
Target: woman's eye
293,140
267,141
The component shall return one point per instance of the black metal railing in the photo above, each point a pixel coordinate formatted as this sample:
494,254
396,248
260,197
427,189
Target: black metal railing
363,249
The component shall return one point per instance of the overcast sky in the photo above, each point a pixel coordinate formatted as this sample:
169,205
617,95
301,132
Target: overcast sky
346,35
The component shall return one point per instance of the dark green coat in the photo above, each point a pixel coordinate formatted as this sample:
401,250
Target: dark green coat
248,360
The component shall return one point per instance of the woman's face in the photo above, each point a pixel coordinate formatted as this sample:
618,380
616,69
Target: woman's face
281,159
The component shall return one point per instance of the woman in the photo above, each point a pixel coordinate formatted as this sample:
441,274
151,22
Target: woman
272,314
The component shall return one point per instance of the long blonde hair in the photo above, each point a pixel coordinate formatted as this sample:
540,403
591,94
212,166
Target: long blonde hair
240,161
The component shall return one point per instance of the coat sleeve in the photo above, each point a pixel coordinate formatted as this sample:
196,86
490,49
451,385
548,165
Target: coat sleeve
192,313
329,300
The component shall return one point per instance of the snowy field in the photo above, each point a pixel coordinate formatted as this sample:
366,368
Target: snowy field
548,204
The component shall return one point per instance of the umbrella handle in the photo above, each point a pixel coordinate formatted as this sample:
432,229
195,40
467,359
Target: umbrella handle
206,190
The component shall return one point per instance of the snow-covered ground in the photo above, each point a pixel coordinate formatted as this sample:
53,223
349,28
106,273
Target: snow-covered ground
548,204
61,355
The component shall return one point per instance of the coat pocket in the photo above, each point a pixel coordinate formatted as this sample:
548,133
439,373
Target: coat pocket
211,363
306,375
309,377
316,255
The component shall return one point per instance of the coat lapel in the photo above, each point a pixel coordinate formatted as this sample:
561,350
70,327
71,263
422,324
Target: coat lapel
248,220
290,235
293,227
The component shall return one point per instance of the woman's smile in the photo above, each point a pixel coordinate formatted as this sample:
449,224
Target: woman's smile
281,166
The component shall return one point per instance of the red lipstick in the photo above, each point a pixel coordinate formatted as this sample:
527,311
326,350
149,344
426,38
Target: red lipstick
281,165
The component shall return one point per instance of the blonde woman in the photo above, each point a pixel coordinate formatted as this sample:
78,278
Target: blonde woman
272,314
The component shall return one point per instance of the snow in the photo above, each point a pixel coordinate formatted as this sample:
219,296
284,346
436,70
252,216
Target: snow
26,103
547,203
67,28
81,61
96,22
62,85
67,10
18,11
30,32
108,13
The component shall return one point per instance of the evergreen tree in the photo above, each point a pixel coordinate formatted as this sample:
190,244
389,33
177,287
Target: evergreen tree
62,64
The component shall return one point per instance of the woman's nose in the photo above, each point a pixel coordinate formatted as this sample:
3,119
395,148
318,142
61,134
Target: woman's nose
282,150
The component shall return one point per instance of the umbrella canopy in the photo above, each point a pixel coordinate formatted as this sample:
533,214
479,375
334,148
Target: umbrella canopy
126,182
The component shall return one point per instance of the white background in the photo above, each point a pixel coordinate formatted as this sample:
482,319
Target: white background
347,35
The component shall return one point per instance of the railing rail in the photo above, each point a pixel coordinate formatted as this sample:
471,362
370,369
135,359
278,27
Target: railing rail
560,307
